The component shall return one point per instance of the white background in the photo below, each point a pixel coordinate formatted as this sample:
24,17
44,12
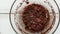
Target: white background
5,27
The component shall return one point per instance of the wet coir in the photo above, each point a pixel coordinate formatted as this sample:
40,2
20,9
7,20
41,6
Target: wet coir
35,17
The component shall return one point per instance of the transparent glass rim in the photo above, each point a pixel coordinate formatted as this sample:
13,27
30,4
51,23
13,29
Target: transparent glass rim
14,28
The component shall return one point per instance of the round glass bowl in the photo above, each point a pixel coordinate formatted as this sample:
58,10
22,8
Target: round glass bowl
18,7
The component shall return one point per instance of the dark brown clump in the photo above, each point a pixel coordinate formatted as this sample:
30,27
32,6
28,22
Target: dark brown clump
35,17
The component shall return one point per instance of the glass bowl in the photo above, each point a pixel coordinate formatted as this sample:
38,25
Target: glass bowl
16,12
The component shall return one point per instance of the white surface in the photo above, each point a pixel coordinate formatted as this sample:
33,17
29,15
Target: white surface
5,27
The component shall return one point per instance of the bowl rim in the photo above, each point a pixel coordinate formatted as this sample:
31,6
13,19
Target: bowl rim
14,28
